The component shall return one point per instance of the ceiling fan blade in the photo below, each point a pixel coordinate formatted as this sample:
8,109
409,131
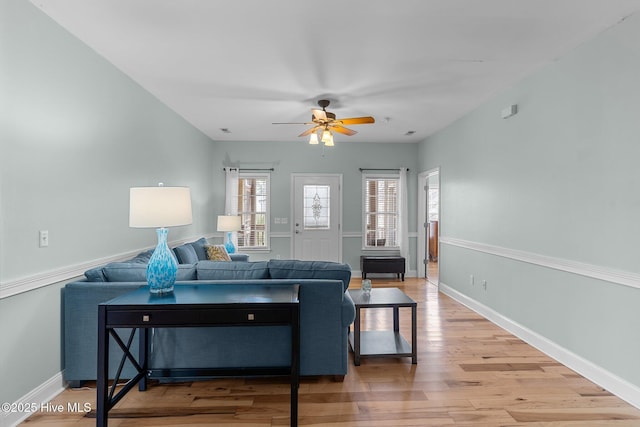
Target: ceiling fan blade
357,120
293,123
343,130
310,131
319,114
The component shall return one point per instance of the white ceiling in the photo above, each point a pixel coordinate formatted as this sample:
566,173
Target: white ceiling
415,65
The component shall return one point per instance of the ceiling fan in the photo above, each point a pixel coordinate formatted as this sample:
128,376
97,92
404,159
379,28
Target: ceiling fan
326,122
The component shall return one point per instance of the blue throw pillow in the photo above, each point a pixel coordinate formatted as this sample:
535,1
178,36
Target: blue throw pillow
142,257
95,275
186,254
199,246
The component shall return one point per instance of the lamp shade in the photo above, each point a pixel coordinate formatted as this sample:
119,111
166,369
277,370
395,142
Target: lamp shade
156,207
229,223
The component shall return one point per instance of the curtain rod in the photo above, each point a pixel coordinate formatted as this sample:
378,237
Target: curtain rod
380,169
249,169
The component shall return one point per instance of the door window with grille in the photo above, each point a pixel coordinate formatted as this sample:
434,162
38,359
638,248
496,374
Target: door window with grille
317,207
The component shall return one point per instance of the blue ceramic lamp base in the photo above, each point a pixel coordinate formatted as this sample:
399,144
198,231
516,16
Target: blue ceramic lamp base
228,245
163,267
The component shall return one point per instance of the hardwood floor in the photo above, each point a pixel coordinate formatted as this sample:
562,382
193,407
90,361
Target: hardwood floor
433,272
469,373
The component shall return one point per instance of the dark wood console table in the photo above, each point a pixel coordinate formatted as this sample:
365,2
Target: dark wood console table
189,306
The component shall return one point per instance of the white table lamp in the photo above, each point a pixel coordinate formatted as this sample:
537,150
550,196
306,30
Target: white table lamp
160,207
229,223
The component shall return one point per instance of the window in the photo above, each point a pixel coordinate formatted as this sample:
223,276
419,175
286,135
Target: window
381,211
253,207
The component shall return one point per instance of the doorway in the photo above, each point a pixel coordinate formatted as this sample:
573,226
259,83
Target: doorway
317,217
429,218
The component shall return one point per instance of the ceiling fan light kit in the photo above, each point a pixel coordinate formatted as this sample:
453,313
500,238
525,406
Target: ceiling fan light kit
327,138
326,122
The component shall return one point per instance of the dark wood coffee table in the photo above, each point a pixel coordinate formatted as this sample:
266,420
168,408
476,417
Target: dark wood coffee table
383,343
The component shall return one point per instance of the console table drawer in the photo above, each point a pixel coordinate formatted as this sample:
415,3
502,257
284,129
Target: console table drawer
196,317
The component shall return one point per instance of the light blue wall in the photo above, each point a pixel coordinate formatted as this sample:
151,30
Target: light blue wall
75,134
559,179
299,157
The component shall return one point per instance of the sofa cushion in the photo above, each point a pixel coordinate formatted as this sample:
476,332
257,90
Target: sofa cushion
223,270
217,253
296,269
136,272
186,254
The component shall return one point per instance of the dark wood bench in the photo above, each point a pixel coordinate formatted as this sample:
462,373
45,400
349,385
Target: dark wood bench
382,264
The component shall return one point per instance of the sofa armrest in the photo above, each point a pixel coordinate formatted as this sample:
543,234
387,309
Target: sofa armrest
348,310
80,311
239,257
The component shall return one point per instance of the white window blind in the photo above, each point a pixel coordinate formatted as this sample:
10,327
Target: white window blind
253,207
381,211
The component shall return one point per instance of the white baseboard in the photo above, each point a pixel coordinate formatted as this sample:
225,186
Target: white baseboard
605,379
34,400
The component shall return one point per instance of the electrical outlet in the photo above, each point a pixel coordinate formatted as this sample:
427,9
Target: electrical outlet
484,284
471,280
44,238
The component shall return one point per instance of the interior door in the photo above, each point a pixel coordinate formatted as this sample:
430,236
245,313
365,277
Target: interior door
429,215
433,229
317,217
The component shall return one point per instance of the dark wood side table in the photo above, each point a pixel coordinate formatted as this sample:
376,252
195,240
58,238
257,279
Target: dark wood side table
189,306
383,343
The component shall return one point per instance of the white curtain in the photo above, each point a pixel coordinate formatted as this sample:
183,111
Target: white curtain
231,197
231,193
403,229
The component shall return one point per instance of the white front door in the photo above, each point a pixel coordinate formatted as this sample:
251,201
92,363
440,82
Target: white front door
317,216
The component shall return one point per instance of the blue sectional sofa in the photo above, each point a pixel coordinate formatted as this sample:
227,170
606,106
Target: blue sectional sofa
326,311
